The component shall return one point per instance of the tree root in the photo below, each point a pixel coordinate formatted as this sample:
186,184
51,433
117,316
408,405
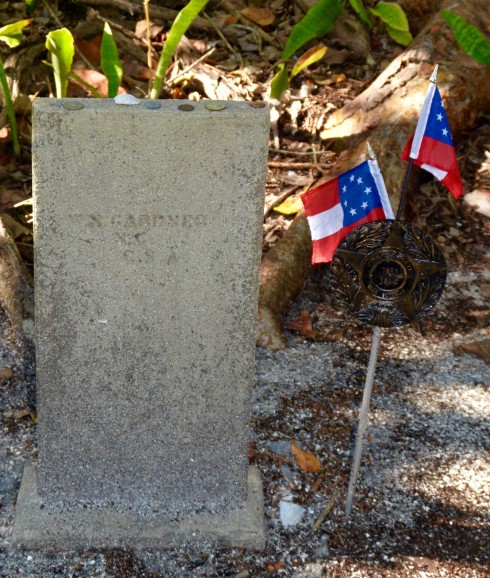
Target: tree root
386,113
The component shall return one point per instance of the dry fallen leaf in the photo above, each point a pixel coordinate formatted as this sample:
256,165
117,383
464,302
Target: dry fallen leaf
275,567
6,373
306,461
261,16
302,325
479,348
19,414
290,206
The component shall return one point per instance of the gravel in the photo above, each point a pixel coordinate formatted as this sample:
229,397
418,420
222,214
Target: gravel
422,502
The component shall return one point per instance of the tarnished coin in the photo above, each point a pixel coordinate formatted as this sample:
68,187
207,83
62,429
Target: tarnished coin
214,106
72,104
151,104
257,104
388,273
185,107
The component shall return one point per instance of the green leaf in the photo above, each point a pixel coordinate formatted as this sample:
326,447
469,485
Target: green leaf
109,61
317,22
311,56
10,110
61,46
361,12
181,23
399,36
11,34
469,37
31,5
392,15
395,20
280,82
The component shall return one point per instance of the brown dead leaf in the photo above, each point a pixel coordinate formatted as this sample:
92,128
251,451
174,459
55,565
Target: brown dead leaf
19,414
329,335
261,16
138,70
96,79
302,325
228,21
306,461
275,567
479,348
140,29
90,48
6,373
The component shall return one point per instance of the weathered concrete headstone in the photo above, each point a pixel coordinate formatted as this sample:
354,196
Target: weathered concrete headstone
147,227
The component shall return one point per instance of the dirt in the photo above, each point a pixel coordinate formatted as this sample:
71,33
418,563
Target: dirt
422,503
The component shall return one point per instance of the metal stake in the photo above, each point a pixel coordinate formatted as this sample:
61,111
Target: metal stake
363,419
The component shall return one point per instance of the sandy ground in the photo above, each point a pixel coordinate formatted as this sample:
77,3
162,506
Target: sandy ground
422,501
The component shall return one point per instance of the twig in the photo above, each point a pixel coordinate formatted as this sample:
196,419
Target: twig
224,39
191,66
316,486
276,457
295,165
300,153
148,32
149,58
323,516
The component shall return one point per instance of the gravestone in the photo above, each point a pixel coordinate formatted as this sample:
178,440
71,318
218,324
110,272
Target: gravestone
147,250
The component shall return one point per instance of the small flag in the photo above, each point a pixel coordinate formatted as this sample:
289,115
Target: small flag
337,207
432,147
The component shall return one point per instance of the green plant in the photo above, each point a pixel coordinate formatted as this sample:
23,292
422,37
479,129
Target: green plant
11,34
109,61
469,38
395,21
318,21
179,27
62,48
31,5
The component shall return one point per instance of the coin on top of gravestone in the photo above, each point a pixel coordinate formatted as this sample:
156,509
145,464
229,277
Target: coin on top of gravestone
72,105
214,106
152,104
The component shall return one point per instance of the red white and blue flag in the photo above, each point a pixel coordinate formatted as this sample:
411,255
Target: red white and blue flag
432,147
337,207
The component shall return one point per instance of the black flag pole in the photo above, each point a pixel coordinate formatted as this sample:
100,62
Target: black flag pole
403,195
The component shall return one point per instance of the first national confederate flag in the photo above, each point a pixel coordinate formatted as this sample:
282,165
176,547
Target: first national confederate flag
335,208
431,147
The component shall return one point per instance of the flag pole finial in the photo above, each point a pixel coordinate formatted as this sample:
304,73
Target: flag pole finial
433,76
372,154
